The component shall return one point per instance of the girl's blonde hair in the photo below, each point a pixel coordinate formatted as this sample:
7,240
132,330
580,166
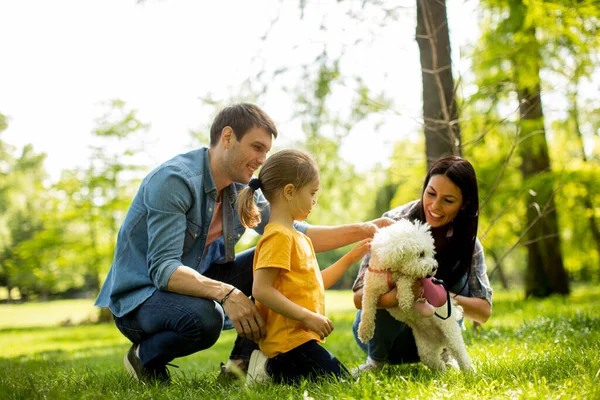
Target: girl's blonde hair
282,168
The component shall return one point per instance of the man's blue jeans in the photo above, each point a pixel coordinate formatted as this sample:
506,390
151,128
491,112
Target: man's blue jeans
393,341
170,325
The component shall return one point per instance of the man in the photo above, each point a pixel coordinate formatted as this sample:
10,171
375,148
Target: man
175,277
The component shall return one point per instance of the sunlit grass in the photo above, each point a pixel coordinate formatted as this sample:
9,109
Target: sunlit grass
534,349
46,314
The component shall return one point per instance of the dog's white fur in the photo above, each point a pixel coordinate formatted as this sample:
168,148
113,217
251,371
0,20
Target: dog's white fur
407,250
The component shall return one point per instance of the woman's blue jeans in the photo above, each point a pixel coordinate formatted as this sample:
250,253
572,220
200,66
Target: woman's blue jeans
170,325
393,341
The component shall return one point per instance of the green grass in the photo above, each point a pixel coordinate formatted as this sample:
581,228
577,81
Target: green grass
536,349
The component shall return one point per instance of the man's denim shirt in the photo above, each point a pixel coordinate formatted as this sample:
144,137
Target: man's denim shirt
167,226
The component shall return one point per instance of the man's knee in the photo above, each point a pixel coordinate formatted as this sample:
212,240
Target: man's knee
208,319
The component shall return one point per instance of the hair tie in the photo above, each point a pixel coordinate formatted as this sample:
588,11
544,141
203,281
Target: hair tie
255,184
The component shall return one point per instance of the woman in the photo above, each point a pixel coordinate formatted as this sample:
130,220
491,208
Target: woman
450,205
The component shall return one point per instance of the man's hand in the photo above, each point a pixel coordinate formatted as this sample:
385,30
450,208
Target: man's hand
371,227
245,316
318,323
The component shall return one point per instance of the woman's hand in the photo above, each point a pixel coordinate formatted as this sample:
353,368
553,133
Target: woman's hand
389,299
474,308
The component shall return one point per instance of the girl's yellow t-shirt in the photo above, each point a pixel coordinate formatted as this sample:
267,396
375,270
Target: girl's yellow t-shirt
299,280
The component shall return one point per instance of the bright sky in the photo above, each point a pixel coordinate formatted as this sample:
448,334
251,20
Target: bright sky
61,60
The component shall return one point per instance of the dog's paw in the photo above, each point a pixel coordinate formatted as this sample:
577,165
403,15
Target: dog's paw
365,333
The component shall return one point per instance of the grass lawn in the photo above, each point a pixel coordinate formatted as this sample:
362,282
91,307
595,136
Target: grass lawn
536,349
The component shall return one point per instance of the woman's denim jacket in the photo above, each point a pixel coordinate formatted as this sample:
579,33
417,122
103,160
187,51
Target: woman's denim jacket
166,227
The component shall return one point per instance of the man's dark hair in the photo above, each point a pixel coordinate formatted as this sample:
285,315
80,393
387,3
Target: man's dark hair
241,118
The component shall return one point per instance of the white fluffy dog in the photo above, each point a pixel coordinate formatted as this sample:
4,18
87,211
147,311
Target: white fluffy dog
406,250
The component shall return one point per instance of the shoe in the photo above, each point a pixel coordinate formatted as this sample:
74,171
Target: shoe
137,371
232,371
257,369
370,366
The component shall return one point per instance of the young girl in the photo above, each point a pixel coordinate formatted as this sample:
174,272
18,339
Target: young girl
288,285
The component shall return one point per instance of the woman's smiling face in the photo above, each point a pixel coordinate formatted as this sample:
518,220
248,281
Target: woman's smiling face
442,200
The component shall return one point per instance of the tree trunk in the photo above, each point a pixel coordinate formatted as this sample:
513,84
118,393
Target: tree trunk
545,270
440,113
587,201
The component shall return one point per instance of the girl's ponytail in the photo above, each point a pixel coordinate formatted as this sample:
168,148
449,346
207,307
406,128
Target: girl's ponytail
247,209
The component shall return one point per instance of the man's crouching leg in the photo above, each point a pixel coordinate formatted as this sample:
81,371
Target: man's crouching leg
167,326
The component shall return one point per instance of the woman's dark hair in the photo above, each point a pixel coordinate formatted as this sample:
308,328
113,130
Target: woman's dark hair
455,260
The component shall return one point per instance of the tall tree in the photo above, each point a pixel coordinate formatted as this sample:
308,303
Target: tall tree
545,270
440,111
587,197
515,40
576,58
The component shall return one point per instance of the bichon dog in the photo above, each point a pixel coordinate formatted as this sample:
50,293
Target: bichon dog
405,251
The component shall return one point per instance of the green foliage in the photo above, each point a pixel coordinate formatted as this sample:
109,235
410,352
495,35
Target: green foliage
543,349
3,123
21,184
346,196
100,194
59,239
490,147
520,39
407,170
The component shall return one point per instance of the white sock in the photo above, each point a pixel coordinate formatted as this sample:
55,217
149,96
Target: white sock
233,363
376,363
137,351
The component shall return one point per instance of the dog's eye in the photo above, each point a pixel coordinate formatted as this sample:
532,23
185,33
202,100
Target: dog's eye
422,254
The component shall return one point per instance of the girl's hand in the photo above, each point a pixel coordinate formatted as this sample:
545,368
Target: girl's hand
360,250
318,323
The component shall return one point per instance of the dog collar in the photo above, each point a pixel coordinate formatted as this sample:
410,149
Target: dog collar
391,284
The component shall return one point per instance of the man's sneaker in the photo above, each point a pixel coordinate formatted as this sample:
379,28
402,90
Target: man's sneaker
370,365
257,369
136,369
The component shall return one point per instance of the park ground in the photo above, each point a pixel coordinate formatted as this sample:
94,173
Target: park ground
529,349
